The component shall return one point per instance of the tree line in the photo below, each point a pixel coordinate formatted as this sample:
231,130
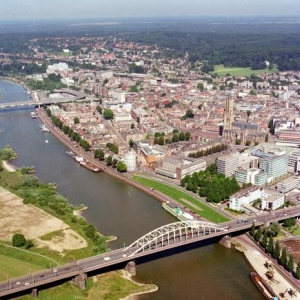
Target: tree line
210,184
264,236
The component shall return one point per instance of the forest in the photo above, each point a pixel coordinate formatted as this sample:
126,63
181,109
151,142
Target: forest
228,48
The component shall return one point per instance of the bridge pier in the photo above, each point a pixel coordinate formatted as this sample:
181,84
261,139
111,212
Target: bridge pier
131,268
80,280
35,293
226,241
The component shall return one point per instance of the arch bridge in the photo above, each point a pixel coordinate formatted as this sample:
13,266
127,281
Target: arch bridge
171,235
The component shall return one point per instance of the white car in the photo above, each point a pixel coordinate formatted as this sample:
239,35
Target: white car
106,258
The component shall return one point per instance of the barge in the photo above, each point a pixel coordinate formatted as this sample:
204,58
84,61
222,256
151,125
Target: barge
177,212
265,289
85,163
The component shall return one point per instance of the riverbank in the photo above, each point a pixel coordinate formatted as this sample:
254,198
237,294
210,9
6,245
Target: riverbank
87,156
281,282
8,167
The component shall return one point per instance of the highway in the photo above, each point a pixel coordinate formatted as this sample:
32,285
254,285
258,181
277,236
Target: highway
123,255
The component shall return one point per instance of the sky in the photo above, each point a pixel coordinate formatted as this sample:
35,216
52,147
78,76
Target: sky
62,9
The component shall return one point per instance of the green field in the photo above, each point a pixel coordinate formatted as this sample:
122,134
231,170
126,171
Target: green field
183,198
220,70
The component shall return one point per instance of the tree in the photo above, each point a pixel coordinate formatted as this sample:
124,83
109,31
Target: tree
274,229
132,126
297,275
131,143
99,154
258,234
289,222
252,230
200,86
283,257
161,141
264,240
114,162
248,115
109,160
187,136
121,167
108,114
18,240
270,248
276,253
290,265
99,109
133,89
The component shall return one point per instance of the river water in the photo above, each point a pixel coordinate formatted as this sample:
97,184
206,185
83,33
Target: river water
208,272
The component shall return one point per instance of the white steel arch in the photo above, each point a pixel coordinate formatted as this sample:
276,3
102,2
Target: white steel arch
164,234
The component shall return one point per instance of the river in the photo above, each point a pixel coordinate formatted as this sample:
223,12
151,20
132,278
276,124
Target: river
115,208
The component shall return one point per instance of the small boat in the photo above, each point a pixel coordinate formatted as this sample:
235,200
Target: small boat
70,153
46,141
33,115
44,128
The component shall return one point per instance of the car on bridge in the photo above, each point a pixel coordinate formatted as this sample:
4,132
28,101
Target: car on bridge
106,258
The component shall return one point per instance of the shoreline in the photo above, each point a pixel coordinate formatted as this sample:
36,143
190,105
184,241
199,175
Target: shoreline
127,276
78,151
8,166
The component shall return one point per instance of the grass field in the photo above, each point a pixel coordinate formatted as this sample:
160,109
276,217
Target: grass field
220,70
109,286
183,198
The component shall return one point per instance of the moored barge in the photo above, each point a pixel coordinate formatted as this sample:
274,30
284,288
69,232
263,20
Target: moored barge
265,289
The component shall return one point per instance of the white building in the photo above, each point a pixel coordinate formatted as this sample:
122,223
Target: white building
270,200
130,161
59,67
245,196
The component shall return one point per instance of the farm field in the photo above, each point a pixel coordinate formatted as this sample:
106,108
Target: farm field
220,70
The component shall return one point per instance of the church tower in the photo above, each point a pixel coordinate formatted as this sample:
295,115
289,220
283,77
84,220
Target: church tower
228,116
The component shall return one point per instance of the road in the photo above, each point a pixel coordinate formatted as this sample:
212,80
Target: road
123,255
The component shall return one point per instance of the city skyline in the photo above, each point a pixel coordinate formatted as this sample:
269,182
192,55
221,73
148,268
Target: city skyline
55,9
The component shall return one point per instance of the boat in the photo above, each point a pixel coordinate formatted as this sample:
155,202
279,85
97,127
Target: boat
265,289
44,128
177,212
33,115
70,153
46,141
89,165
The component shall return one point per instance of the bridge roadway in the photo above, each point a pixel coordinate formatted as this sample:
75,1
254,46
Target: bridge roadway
166,238
44,101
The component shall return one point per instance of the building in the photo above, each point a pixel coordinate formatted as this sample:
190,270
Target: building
180,166
130,161
288,184
228,164
242,200
246,175
294,161
245,196
274,165
244,131
271,200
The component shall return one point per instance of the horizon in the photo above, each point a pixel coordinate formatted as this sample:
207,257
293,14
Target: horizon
83,9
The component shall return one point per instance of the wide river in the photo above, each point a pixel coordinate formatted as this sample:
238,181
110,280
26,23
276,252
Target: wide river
208,272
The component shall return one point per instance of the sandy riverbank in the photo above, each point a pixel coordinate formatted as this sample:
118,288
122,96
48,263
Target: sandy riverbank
281,283
9,167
